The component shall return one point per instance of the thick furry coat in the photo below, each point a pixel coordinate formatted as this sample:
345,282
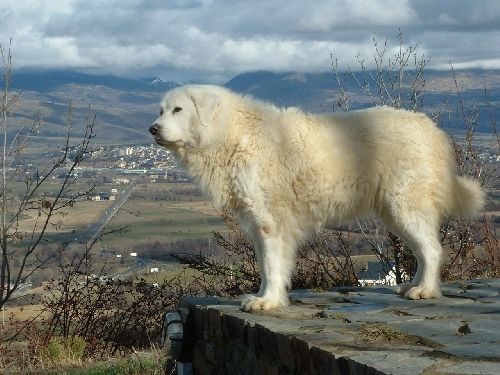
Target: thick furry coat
284,172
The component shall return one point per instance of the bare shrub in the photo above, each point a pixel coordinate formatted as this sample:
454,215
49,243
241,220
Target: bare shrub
471,246
233,273
112,315
474,250
20,248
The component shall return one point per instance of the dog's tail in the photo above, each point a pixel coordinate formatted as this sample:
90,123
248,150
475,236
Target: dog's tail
468,197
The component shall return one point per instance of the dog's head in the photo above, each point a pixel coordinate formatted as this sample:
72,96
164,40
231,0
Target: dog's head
186,117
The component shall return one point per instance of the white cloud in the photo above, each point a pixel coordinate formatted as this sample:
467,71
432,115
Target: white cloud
203,39
446,19
385,12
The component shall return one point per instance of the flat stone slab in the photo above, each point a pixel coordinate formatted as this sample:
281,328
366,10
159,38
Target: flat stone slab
372,330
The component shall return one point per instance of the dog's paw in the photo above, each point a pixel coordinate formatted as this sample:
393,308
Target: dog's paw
403,288
252,303
422,293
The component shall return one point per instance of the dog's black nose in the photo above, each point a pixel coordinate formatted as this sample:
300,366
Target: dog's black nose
154,129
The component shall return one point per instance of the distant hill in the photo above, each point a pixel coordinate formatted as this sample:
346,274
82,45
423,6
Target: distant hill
125,108
310,92
47,81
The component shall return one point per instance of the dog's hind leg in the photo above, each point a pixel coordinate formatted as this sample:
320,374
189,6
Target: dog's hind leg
426,282
420,232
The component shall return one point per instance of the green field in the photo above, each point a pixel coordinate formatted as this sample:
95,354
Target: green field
148,221
145,220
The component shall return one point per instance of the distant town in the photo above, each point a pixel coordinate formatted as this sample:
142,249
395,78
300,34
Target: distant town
119,165
152,160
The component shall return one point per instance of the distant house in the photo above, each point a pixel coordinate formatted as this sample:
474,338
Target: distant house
378,273
121,181
102,197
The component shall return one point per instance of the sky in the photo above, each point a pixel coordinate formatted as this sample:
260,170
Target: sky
211,41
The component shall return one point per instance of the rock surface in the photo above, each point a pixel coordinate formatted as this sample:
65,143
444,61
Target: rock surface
356,330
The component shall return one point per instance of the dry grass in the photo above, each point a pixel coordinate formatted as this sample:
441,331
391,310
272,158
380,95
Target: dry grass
25,312
382,333
78,217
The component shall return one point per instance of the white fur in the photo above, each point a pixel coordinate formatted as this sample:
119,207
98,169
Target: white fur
283,173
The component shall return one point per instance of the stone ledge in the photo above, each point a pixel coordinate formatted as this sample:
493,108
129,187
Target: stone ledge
353,331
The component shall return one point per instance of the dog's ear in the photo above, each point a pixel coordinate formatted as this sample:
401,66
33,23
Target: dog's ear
207,105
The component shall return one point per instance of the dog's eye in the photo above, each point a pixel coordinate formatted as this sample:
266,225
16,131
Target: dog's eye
177,109
161,112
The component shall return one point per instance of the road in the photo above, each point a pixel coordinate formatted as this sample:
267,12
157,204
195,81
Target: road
140,263
96,229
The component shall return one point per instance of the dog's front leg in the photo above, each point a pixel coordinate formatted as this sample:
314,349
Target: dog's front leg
276,262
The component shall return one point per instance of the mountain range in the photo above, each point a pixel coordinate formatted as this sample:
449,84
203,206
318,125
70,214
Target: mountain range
478,92
124,108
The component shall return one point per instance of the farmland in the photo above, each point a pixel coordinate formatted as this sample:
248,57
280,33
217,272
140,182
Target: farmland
149,220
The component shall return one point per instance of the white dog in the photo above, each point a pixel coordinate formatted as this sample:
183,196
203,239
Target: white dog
283,173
